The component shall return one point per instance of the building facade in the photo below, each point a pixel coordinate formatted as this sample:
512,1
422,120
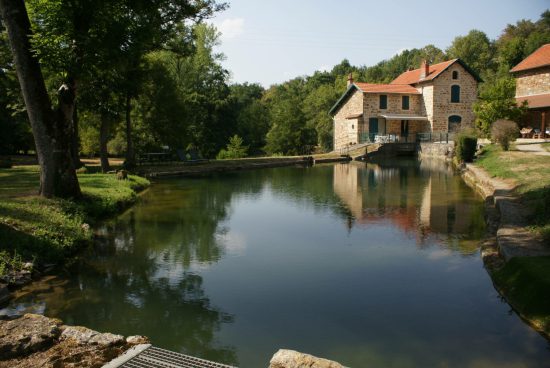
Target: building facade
432,99
533,87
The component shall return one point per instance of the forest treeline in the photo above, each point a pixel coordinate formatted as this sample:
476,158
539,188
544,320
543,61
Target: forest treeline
149,89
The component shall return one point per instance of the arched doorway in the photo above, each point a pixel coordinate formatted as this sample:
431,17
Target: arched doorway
454,123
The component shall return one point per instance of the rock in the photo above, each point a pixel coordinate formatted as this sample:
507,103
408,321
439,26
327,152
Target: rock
294,359
137,340
21,278
25,335
4,294
83,335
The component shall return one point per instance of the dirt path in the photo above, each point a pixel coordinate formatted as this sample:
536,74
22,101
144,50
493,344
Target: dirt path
535,149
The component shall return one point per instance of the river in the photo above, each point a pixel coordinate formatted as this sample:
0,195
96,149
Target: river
371,265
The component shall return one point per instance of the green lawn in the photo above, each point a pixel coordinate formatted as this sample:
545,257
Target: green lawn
47,230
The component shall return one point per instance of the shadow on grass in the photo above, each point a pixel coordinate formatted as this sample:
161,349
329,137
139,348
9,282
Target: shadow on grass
18,181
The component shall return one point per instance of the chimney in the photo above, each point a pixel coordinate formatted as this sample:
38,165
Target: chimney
424,69
350,79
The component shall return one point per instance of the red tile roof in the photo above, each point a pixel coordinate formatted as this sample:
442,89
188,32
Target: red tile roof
387,88
413,76
535,101
539,58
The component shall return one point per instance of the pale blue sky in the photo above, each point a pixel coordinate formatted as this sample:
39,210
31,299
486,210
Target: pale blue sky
272,41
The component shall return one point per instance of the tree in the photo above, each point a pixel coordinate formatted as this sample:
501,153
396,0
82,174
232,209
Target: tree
51,128
15,130
475,49
84,39
289,133
316,106
496,101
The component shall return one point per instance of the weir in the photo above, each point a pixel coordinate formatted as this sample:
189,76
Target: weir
148,356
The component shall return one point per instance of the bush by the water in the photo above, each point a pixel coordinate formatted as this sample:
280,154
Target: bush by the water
466,145
504,132
235,149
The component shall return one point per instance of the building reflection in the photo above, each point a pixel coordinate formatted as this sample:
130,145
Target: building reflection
423,199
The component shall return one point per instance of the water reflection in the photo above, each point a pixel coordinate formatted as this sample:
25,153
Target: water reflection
423,198
361,263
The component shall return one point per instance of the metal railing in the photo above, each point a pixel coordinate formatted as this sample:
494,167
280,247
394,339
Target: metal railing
386,138
435,137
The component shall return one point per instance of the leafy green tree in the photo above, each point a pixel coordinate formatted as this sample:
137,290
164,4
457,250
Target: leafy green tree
315,107
52,127
289,133
475,49
497,102
250,114
15,130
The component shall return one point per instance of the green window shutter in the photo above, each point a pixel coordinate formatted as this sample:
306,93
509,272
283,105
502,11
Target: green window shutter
455,93
383,102
405,103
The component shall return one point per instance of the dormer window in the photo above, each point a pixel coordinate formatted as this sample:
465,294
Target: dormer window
383,102
455,74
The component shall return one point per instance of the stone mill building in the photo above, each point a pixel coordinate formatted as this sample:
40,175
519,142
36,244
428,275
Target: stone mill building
432,99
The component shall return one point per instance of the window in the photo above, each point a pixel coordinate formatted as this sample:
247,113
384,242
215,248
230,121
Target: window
455,93
454,123
383,102
455,74
405,103
352,126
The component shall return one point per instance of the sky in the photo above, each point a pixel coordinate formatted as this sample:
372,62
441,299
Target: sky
271,41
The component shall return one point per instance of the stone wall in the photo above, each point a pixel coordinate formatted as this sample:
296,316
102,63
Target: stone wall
443,108
533,82
344,134
371,109
437,150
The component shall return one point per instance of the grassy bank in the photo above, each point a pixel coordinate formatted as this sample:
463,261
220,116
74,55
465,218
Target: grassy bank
47,230
525,281
531,173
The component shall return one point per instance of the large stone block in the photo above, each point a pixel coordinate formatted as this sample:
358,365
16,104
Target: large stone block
294,359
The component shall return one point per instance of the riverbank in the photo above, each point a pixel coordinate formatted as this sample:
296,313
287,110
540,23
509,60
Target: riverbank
37,341
36,233
515,186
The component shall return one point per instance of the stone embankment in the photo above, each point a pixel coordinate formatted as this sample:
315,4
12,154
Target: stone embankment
507,214
37,341
219,166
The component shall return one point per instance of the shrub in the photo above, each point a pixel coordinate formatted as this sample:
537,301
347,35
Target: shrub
235,149
504,132
465,146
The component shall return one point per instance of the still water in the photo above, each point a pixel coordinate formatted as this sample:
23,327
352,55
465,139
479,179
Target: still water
370,265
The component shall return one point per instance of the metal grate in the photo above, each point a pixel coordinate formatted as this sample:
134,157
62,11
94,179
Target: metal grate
159,358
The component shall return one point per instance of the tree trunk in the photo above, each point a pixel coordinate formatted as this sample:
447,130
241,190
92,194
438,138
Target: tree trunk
130,161
75,142
103,140
51,130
